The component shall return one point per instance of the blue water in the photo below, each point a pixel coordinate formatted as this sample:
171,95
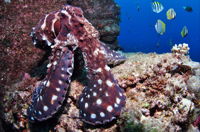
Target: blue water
137,31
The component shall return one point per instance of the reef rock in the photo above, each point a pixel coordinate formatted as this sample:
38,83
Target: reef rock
158,98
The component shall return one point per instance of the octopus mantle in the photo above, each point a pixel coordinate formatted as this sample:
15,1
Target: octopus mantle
67,31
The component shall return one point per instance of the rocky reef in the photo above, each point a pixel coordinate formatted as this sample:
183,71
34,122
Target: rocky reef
162,90
160,97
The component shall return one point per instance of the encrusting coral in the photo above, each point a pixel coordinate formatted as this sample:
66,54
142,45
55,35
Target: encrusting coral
158,97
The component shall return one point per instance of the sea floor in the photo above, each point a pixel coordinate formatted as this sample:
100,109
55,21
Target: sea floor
162,93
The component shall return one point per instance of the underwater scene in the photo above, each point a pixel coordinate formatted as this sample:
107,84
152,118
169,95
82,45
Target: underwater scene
99,66
139,17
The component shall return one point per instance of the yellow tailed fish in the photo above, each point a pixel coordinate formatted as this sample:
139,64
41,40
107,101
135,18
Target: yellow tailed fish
171,14
184,32
157,7
160,27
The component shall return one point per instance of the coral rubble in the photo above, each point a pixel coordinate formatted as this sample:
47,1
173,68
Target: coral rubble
159,97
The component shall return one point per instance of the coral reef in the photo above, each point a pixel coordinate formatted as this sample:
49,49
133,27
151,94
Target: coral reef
104,16
181,49
157,90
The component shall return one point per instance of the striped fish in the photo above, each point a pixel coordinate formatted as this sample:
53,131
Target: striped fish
171,14
184,32
157,7
160,27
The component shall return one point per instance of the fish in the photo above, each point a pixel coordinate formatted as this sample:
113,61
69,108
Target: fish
184,32
171,14
157,7
188,8
160,27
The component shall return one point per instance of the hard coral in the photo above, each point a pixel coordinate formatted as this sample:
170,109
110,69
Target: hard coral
180,49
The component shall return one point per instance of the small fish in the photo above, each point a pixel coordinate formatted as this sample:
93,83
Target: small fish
138,7
171,14
187,8
184,32
160,27
157,7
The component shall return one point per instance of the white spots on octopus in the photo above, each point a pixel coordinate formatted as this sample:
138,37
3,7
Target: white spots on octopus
32,118
81,100
45,108
109,108
118,100
60,82
88,96
84,115
109,83
100,81
94,94
95,85
107,68
100,89
116,105
93,116
39,112
106,94
63,75
86,105
62,69
55,63
120,94
102,114
54,97
40,97
98,70
58,89
49,65
99,101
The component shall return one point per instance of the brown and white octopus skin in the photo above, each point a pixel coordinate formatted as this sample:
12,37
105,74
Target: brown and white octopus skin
65,31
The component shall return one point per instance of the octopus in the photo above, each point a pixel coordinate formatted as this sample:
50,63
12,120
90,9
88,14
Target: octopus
67,31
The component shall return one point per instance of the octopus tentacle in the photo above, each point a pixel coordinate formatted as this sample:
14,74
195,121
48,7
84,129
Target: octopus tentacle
112,57
50,94
103,99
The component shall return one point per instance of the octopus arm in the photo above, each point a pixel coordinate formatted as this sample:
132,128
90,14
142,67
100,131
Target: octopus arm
102,100
50,93
112,57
